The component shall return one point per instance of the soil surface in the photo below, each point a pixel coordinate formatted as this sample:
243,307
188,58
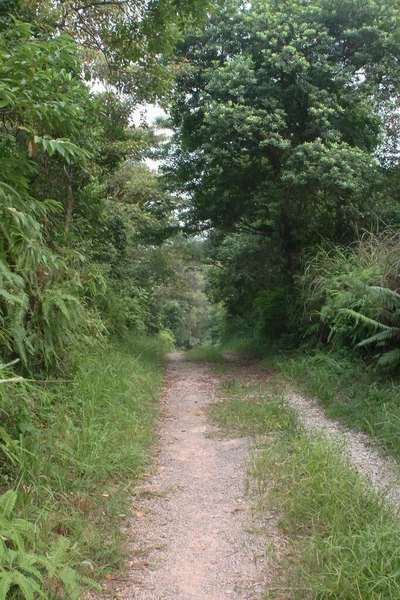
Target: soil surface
191,522
193,533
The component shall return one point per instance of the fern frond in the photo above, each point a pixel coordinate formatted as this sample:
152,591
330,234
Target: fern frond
26,565
384,296
57,554
360,318
69,577
29,587
7,503
387,335
26,528
5,585
390,359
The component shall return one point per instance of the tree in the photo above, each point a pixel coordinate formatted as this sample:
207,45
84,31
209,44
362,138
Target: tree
275,119
125,43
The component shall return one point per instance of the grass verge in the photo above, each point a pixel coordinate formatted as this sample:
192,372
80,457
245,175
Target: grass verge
341,540
72,450
207,354
360,398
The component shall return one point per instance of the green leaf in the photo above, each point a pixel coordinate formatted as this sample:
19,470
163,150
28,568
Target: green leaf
7,503
5,585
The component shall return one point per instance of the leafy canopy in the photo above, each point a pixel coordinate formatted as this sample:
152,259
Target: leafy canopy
275,120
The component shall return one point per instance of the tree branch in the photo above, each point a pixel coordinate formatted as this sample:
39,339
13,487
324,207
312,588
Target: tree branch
100,3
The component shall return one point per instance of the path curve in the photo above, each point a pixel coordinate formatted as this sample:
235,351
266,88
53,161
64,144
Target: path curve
382,471
364,455
191,520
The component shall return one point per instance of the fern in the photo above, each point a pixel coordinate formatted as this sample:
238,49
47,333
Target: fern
389,332
28,569
390,359
354,293
7,503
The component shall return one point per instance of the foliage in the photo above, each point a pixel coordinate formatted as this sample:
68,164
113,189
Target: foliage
28,569
120,41
342,540
354,291
71,449
77,210
40,304
275,124
279,145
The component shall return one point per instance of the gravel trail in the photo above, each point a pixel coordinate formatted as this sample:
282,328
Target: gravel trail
191,520
382,471
364,456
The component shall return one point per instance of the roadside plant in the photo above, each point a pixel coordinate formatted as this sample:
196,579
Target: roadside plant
27,569
40,115
351,295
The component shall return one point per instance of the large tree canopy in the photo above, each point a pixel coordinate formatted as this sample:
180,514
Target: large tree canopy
275,116
127,43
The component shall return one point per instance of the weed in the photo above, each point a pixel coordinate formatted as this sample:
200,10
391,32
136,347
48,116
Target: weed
249,409
81,446
361,398
207,354
28,568
344,540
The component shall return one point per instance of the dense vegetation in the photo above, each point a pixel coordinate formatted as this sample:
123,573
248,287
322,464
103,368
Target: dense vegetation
90,298
279,198
287,141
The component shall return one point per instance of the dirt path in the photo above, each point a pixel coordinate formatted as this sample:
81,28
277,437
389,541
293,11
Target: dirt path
192,532
364,456
382,471
192,520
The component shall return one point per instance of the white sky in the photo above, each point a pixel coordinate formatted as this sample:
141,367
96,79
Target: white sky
149,113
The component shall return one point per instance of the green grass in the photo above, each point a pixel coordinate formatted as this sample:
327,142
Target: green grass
246,344
346,545
342,542
206,354
362,399
81,446
249,409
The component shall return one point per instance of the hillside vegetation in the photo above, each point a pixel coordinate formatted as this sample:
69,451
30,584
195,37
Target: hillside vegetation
271,227
286,140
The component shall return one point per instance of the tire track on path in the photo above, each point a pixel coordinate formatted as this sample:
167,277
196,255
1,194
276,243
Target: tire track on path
191,520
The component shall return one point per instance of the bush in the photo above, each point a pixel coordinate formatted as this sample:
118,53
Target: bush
351,296
72,449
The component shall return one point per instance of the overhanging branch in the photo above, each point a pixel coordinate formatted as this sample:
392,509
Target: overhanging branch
100,3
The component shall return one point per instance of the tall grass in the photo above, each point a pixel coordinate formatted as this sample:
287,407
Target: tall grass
79,445
362,399
206,354
343,541
346,543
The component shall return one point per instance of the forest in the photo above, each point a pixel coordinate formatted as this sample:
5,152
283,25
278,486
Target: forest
270,226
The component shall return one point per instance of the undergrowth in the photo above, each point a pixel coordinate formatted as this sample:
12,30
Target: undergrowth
71,450
206,353
361,398
247,409
341,540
